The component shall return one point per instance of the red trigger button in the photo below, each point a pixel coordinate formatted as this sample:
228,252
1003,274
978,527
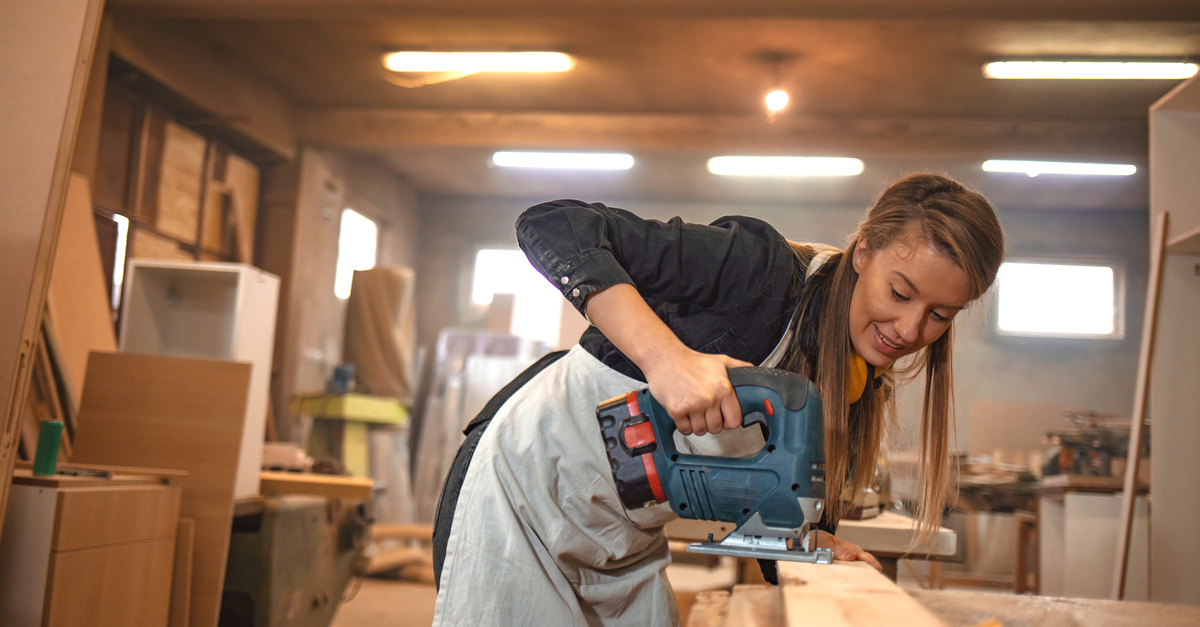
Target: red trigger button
770,410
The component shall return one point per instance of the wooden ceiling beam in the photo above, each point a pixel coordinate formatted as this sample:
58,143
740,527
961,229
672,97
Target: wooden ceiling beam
382,129
1021,10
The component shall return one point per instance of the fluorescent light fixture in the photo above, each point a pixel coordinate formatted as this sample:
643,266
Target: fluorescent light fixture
564,160
1034,168
1104,70
472,62
785,166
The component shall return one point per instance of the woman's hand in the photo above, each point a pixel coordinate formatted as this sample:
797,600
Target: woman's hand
693,387
845,551
695,390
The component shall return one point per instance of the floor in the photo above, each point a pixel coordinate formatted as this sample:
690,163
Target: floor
382,602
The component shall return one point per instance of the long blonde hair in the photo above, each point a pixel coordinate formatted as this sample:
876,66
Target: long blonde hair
960,224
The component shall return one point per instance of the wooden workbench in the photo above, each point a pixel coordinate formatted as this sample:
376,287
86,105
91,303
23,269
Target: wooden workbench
763,606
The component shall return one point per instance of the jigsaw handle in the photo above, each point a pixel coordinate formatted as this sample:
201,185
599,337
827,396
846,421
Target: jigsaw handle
790,466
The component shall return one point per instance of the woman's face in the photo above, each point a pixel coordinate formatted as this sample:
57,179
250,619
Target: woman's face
906,296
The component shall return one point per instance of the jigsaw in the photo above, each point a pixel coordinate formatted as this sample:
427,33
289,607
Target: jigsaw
773,497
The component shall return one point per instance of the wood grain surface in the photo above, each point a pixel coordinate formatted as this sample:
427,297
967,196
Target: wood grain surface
170,412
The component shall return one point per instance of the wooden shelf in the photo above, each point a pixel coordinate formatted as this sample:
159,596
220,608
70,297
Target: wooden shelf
1185,244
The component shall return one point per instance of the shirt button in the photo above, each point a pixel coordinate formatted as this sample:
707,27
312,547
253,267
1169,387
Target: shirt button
575,292
565,280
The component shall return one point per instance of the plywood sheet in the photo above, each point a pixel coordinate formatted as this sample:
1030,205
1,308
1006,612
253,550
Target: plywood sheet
145,244
1013,426
170,412
181,175
847,594
80,318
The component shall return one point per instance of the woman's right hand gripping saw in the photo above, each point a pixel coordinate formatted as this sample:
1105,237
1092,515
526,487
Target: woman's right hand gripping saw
693,387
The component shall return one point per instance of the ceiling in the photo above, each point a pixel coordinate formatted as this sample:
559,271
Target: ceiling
674,83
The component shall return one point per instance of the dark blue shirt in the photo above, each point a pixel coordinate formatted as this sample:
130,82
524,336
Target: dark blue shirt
728,288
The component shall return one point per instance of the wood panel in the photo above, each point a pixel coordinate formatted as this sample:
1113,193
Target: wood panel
91,517
47,50
847,594
80,316
169,412
756,606
180,180
181,578
329,486
94,586
144,244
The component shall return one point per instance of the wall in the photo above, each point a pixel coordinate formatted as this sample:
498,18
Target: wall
1084,374
300,219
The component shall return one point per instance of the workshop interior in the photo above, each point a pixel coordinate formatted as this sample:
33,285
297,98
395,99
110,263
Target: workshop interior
260,281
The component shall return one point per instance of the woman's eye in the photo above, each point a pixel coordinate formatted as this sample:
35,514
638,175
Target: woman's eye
899,297
939,317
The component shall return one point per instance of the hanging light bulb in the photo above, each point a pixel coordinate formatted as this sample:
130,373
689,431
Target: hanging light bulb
777,100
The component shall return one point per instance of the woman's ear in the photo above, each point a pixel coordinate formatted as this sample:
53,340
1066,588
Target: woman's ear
860,255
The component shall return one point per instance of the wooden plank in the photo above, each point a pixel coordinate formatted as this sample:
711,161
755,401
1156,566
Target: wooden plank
329,486
154,411
181,578
157,475
1158,245
47,56
29,428
709,609
127,585
79,313
975,609
756,606
847,594
402,532
397,558
98,516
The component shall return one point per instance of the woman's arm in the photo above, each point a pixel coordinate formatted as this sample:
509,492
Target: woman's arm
693,387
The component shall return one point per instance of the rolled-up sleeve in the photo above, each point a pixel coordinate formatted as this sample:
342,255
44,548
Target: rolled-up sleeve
586,247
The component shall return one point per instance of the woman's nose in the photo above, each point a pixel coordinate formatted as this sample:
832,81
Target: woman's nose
908,326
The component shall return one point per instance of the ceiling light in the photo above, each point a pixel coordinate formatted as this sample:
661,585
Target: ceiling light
472,62
777,100
1034,168
785,166
564,160
1088,70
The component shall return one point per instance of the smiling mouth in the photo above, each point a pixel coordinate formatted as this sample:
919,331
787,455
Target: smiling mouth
885,340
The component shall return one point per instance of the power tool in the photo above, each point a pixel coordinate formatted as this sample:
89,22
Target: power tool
773,497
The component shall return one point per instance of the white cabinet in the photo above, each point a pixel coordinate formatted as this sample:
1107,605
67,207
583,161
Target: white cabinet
1174,407
214,311
1076,534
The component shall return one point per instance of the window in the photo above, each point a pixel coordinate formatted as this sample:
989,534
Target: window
537,305
1061,300
356,250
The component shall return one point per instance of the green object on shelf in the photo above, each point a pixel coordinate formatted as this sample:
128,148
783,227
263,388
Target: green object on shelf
45,461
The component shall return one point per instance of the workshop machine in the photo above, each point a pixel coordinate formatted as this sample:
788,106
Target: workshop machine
773,497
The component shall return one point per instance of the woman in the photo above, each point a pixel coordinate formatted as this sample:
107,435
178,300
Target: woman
530,526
